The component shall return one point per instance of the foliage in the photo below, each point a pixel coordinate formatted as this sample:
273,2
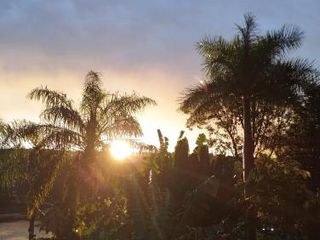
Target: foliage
303,138
281,194
74,136
251,84
69,179
176,190
249,66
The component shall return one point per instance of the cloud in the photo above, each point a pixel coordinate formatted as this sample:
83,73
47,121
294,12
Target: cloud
146,45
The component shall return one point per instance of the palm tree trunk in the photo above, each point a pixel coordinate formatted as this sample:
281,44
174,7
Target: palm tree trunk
248,165
31,226
248,161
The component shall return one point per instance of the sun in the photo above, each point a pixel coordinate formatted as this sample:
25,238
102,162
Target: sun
120,149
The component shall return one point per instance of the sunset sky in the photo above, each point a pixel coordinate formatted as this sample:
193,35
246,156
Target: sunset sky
146,46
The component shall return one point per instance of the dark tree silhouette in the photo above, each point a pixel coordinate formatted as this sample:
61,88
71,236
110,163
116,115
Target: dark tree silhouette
247,70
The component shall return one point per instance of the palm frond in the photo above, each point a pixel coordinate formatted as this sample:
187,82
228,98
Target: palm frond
19,131
201,94
60,138
45,135
93,94
209,47
248,31
49,97
119,110
288,37
6,134
128,103
191,97
218,54
292,74
63,116
126,127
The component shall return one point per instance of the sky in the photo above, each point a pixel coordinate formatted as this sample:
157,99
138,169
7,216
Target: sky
145,46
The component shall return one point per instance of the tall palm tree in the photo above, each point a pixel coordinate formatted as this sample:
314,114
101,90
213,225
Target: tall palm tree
102,116
243,73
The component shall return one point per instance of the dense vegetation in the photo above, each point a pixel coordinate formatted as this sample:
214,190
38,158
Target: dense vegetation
261,112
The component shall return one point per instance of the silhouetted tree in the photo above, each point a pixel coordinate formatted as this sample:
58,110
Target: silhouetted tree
102,116
302,144
248,70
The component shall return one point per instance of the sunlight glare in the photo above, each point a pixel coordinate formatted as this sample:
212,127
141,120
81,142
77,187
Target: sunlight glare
120,150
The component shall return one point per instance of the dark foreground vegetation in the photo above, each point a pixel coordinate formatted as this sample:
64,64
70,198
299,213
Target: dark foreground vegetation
261,112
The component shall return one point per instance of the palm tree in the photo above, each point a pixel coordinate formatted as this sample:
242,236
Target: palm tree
101,116
78,134
249,71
